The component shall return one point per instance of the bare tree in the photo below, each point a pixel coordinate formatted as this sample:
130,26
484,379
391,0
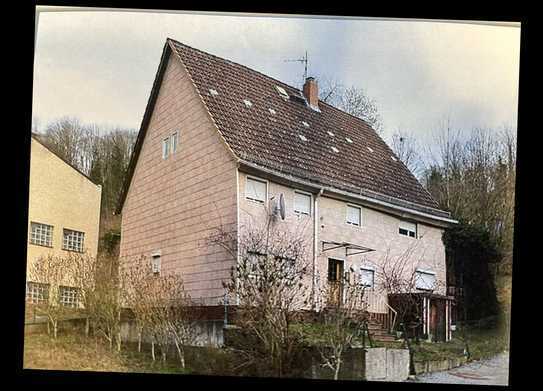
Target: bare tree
407,149
270,284
352,100
50,272
342,322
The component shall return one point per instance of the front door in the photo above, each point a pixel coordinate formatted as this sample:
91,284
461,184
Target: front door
335,282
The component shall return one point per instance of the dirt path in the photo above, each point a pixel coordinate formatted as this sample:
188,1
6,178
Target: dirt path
494,371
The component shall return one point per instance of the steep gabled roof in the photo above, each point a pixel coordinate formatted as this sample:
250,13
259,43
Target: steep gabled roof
327,148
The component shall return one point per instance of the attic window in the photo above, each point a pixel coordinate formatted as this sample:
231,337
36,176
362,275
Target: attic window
305,124
213,92
393,158
330,133
349,140
370,149
282,92
302,137
247,103
334,149
272,111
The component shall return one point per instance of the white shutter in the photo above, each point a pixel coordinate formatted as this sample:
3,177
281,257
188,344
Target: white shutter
302,203
256,190
353,215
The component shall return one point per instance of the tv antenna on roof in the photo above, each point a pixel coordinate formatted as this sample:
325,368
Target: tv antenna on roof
304,60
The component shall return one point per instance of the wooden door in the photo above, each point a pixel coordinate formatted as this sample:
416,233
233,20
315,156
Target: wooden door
335,282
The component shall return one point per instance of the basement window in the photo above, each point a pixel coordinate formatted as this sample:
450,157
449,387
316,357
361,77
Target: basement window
407,228
282,92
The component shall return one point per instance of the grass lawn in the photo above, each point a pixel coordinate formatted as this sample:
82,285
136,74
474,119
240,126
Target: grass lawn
75,352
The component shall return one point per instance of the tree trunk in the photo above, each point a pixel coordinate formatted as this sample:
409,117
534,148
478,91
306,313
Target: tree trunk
87,327
181,354
119,341
336,372
55,329
139,340
153,350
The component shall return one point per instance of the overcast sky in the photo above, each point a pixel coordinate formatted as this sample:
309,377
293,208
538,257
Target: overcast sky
100,66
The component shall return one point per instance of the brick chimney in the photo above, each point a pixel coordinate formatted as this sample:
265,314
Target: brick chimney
311,92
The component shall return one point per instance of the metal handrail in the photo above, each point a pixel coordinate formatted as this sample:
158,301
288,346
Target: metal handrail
395,314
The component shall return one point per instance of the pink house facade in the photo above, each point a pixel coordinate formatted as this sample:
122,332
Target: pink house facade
219,141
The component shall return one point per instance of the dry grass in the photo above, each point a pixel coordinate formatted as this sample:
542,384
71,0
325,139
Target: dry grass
78,353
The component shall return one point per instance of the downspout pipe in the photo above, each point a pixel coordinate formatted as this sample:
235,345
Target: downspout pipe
315,243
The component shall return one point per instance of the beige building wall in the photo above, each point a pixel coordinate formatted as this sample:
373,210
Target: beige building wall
173,205
64,198
378,231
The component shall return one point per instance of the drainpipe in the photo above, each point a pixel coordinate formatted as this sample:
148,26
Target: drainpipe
315,242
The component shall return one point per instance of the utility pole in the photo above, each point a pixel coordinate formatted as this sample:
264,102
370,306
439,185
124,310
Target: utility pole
304,61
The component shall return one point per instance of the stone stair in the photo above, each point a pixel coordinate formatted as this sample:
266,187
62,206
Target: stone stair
379,333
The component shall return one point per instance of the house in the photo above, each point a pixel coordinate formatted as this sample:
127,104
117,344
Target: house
219,141
63,217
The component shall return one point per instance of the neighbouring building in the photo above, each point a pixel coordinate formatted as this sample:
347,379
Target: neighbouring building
219,141
63,217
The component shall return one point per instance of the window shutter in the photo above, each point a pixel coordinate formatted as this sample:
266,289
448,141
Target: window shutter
353,215
256,190
302,203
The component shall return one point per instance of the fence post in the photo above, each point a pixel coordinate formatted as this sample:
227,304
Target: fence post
225,309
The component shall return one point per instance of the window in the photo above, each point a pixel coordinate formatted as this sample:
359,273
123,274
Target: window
256,190
174,142
73,240
367,277
302,203
408,229
41,234
68,296
36,292
155,264
425,280
165,148
354,215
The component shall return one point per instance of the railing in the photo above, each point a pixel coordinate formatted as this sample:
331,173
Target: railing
455,291
394,318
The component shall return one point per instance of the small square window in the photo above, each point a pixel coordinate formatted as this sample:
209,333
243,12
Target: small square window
68,296
41,234
165,148
354,215
367,277
256,190
37,293
302,203
407,228
425,280
73,240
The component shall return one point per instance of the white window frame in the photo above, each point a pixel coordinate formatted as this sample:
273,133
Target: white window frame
427,272
173,142
415,233
45,235
166,147
37,292
300,213
72,299
347,215
368,269
156,263
73,240
252,178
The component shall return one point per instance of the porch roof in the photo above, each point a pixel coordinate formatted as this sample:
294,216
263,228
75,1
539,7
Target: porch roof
358,249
